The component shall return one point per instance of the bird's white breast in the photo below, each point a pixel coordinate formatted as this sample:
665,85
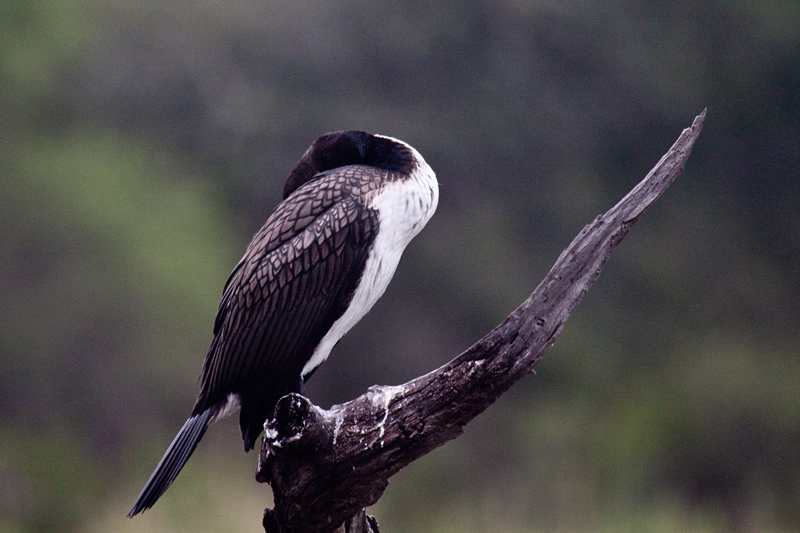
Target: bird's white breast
404,207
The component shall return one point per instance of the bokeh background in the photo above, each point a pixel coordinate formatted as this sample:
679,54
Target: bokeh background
143,142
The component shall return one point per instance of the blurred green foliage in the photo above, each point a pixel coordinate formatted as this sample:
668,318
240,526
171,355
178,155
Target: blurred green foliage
142,143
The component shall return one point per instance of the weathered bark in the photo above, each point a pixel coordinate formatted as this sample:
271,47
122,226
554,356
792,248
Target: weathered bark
325,467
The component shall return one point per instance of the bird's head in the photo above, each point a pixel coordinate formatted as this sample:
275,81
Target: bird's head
343,148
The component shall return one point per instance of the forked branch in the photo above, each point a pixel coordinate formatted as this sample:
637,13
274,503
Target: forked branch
326,466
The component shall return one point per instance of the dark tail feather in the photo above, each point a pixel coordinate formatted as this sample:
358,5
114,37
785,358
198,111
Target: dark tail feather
171,464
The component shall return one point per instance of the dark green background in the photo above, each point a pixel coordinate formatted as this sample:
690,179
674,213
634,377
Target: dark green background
143,143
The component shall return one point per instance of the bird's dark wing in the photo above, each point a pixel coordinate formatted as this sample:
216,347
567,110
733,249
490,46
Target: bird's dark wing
291,217
295,280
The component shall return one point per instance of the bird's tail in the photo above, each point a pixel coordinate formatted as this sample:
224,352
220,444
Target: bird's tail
175,457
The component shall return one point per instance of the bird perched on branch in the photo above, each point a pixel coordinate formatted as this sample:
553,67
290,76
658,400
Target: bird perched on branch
324,257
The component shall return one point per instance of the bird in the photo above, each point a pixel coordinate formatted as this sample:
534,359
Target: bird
323,258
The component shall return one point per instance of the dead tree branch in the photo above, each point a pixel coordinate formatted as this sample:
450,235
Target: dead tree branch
325,467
